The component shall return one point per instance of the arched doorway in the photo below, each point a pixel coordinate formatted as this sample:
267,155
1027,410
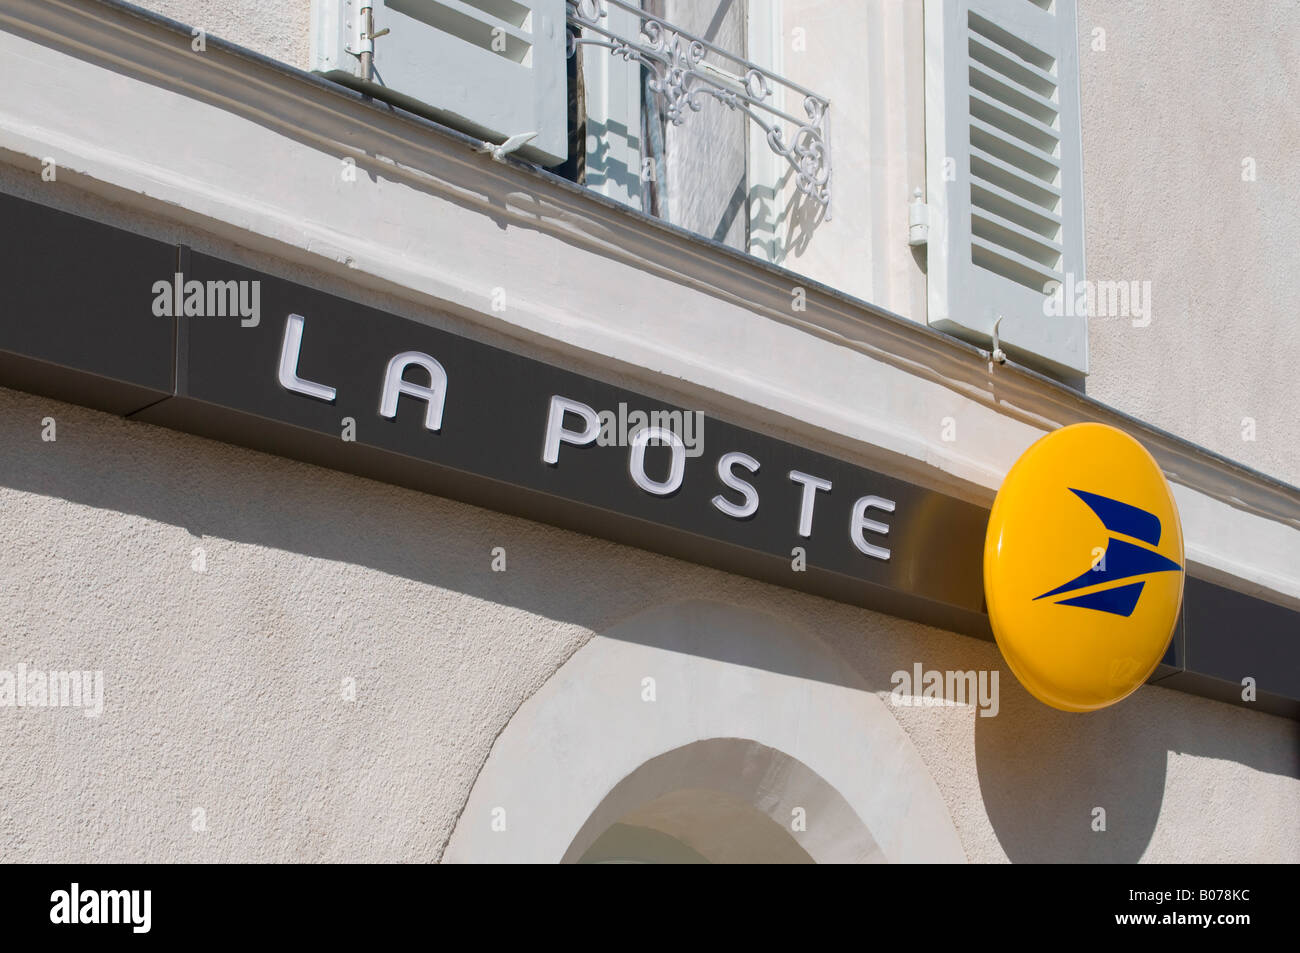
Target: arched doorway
695,826
701,732
725,800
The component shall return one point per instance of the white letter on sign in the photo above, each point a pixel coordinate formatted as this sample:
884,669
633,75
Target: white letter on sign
746,489
289,378
676,469
811,485
394,386
556,434
860,523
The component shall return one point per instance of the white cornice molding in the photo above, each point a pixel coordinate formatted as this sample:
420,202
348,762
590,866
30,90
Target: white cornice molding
339,122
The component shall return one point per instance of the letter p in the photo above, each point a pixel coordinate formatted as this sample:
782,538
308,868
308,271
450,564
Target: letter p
556,433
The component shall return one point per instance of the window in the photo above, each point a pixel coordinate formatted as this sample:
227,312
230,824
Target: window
688,117
681,103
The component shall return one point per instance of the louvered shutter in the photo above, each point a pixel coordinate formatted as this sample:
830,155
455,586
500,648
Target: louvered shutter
492,68
1004,175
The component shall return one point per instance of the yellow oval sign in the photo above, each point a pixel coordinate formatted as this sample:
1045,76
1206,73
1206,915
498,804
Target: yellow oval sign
1083,567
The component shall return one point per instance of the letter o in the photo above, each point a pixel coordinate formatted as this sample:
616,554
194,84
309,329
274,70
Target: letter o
636,460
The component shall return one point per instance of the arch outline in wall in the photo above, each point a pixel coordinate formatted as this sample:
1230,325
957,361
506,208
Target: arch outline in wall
744,704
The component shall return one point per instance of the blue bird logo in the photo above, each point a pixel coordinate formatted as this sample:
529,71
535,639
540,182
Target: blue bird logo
1121,560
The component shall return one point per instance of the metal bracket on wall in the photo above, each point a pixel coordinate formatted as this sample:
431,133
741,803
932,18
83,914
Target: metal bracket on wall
364,44
996,354
687,68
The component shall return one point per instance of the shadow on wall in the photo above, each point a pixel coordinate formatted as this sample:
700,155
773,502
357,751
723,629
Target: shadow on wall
804,214
1040,771
1044,773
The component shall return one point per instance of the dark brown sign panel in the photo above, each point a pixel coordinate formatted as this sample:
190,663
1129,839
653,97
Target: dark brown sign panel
75,322
495,412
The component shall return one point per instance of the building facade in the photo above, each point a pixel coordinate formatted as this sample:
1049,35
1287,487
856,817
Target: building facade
348,602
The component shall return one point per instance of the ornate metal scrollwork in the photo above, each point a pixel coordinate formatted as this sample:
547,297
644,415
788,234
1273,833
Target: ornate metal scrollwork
681,79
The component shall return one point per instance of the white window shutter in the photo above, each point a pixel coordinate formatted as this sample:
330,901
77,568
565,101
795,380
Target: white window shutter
492,68
1004,176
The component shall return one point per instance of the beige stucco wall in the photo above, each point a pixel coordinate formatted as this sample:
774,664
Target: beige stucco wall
223,689
1172,107
280,30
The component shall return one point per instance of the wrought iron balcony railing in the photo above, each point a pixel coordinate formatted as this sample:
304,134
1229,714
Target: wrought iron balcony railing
682,77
